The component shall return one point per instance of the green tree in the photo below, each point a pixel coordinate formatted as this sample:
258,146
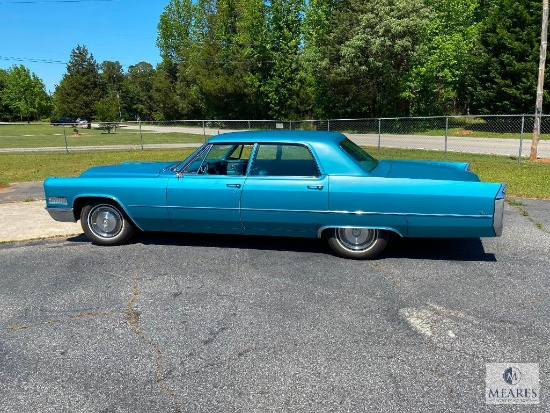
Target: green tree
357,53
175,30
283,83
138,91
216,78
250,50
167,102
171,89
507,61
379,51
81,87
442,65
25,94
107,109
113,76
6,113
327,26
213,46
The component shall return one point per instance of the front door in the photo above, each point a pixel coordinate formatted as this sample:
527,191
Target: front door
205,196
204,202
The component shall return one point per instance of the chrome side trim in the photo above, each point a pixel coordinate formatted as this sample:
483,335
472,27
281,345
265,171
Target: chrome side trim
62,214
306,211
411,214
404,214
181,207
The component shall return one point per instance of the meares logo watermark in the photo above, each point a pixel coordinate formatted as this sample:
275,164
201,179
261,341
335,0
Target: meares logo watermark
512,383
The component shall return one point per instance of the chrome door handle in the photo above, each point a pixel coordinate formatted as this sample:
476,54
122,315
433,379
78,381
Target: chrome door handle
318,187
233,185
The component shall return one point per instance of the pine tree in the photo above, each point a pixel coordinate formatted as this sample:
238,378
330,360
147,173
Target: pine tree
81,87
506,75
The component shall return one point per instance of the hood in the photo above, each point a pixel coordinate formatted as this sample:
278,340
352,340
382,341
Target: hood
446,171
128,170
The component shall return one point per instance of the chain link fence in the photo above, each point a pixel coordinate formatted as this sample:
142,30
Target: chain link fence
497,135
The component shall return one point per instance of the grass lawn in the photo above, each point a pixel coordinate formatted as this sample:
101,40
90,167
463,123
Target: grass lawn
36,135
528,180
36,166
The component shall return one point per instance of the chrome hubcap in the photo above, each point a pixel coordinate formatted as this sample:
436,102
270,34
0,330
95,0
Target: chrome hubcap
357,239
105,221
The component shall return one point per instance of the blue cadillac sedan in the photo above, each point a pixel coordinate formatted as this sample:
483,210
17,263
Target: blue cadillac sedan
282,183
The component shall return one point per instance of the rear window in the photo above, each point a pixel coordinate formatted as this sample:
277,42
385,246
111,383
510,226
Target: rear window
359,155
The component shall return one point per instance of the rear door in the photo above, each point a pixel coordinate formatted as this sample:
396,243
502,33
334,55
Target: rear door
284,191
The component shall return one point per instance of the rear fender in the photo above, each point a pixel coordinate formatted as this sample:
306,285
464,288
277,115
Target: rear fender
427,208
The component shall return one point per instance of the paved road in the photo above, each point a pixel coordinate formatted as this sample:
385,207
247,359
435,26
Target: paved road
178,323
492,146
506,147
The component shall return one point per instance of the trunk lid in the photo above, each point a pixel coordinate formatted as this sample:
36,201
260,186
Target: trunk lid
434,170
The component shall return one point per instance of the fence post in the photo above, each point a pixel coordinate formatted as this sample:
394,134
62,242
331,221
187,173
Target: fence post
249,126
446,134
290,126
140,135
521,138
65,135
379,133
204,130
328,125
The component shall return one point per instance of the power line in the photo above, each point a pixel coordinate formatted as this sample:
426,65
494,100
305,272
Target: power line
34,60
53,1
31,59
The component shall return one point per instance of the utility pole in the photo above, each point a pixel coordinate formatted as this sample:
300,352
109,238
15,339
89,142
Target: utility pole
540,84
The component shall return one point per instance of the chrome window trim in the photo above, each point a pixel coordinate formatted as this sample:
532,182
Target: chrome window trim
257,148
192,157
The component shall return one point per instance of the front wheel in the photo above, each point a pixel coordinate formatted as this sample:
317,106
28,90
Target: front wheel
106,224
357,243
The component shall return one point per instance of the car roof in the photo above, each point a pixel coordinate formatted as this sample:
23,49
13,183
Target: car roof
278,137
324,144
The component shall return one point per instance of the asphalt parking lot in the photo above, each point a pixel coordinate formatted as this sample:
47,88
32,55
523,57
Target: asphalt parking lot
177,323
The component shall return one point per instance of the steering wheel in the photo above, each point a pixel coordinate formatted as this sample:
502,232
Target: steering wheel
206,167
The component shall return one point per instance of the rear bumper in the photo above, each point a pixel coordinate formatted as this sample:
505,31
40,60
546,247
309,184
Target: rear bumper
62,214
498,215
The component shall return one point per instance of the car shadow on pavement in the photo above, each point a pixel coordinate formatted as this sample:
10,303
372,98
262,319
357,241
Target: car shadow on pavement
457,249
447,249
231,241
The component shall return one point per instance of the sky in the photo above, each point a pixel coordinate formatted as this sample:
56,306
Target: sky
40,34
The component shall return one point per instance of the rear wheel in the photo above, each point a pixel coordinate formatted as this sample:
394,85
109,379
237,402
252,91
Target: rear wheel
105,223
357,243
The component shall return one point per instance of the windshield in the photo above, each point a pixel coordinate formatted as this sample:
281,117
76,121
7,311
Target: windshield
357,153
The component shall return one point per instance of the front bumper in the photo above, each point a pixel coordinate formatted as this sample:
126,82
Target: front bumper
62,214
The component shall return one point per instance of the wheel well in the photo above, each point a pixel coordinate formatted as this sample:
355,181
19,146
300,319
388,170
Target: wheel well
80,203
323,232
